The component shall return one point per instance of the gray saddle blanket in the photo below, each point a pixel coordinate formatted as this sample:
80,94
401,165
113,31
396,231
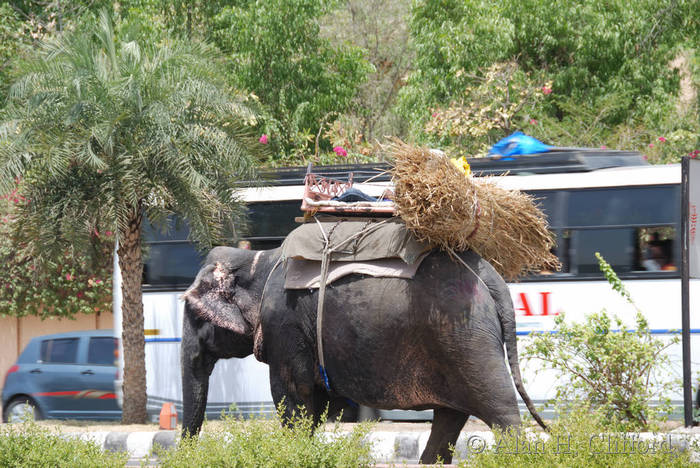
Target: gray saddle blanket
354,241
383,248
306,274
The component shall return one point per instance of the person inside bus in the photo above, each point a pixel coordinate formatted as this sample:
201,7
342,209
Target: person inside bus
659,259
655,258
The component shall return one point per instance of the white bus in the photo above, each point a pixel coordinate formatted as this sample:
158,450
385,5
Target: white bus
596,201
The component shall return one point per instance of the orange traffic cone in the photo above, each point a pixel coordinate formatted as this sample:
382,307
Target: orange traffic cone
168,417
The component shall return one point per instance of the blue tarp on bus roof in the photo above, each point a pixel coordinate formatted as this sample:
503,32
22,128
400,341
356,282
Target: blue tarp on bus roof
518,143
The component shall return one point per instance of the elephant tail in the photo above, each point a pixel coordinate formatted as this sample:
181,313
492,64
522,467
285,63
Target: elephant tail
512,352
506,315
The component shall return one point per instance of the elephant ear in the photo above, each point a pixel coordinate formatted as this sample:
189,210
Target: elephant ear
211,297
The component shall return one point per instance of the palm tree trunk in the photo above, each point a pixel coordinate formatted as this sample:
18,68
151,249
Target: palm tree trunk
131,265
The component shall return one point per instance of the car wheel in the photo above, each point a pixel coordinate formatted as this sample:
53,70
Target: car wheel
21,409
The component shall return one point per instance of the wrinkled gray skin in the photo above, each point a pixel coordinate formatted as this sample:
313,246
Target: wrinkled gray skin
435,341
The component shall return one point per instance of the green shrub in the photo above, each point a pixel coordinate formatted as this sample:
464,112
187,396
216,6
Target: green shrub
578,439
266,443
28,445
603,366
76,282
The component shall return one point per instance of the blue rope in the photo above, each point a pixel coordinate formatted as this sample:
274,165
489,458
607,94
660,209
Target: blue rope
324,376
327,384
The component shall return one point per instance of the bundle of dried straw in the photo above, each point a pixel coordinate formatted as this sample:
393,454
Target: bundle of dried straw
455,212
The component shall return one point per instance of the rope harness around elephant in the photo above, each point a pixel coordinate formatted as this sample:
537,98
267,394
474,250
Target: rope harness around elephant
325,262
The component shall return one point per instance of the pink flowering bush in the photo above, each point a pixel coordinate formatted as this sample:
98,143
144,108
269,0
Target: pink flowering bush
348,144
66,286
670,147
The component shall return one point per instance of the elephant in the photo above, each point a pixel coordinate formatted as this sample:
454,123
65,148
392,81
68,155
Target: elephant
432,342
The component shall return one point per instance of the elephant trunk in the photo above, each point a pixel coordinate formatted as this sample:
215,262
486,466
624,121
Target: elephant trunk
197,366
195,386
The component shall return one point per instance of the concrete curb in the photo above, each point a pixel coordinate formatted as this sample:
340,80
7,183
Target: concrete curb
405,447
136,444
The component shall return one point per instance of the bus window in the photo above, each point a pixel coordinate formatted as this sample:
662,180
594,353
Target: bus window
629,250
563,248
171,264
270,222
549,202
177,231
623,206
170,259
615,245
272,219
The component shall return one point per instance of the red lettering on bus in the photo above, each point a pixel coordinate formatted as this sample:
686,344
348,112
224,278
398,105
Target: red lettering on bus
526,309
693,222
524,305
545,302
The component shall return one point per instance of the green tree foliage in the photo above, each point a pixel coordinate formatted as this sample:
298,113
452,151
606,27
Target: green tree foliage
276,51
452,39
10,43
23,23
380,27
103,131
613,59
193,19
591,48
499,102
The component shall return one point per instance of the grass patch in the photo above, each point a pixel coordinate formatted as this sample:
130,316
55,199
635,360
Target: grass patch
28,445
267,443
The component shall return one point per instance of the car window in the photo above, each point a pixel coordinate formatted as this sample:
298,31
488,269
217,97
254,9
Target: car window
101,350
62,350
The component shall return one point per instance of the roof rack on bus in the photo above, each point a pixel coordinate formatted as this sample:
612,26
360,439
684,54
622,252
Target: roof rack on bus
559,160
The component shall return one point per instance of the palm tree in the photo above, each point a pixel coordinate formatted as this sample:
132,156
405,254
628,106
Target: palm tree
101,132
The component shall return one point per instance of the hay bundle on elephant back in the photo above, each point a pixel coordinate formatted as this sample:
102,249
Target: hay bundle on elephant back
453,211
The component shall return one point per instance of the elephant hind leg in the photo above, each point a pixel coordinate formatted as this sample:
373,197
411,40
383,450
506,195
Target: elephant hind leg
447,423
500,409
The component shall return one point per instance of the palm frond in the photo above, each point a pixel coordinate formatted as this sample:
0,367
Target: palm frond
102,130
